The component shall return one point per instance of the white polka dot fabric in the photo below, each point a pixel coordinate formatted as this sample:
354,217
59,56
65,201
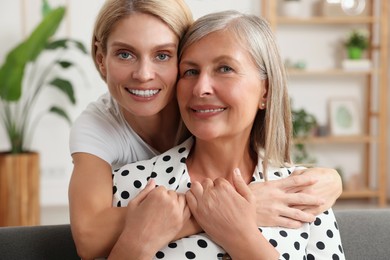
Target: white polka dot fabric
317,240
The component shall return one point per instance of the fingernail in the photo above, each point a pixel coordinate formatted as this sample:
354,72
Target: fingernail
237,172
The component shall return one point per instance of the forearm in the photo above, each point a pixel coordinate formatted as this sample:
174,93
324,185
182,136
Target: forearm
191,227
96,235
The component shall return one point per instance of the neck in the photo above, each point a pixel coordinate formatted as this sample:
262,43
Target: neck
160,130
219,159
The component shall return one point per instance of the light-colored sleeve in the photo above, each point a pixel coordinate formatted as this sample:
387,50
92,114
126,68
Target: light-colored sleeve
324,241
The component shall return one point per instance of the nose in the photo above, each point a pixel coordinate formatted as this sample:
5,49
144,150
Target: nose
143,71
203,86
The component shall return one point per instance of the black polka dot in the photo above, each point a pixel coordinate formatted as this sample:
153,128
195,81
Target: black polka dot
169,170
166,158
336,226
335,257
114,189
286,256
261,231
261,175
220,255
172,180
189,185
273,242
190,255
140,167
341,248
202,243
320,245
125,195
160,255
137,184
183,160
305,235
326,212
297,245
182,150
279,174
283,233
310,257
329,233
119,204
317,222
172,245
253,179
125,173
153,175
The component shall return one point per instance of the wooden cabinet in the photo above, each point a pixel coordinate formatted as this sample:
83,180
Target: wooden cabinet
373,97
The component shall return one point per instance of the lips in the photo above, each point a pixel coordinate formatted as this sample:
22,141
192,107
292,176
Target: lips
143,93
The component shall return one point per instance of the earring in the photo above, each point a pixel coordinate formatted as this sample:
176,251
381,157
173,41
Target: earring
262,105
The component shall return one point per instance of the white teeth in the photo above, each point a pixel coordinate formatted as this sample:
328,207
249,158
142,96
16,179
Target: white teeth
143,93
210,110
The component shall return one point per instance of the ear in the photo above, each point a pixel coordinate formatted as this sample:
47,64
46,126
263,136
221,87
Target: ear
100,59
264,94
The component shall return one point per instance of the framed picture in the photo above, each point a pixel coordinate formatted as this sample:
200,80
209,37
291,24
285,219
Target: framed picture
344,117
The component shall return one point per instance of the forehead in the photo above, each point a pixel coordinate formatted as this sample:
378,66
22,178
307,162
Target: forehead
141,28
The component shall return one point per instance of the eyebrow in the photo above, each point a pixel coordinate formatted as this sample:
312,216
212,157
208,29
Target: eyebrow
216,60
157,47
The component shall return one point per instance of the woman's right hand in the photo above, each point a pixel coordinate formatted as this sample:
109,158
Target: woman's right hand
153,219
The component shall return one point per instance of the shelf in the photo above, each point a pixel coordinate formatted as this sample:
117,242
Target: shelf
329,72
326,20
358,139
357,194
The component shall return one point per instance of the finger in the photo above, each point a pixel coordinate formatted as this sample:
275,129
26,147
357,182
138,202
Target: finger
197,189
240,185
302,199
144,193
296,181
191,201
298,215
207,184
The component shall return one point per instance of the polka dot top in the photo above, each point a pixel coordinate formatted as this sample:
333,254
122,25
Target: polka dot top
317,240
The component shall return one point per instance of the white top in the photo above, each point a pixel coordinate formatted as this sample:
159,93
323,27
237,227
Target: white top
101,130
320,239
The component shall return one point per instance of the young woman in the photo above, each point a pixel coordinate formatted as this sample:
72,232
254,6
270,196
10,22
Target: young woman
134,47
233,98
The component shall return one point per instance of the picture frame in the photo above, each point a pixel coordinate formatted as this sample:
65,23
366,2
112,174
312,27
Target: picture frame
344,117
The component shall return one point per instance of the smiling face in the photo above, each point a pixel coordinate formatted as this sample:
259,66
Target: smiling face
140,65
220,90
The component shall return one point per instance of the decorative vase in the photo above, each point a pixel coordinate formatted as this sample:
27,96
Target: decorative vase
19,189
354,53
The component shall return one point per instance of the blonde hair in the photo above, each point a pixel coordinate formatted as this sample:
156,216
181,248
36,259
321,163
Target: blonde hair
175,13
272,128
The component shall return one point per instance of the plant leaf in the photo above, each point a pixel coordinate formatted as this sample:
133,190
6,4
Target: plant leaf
45,8
12,70
59,111
65,64
63,43
66,87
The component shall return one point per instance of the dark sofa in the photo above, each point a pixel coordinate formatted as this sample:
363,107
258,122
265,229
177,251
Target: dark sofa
365,235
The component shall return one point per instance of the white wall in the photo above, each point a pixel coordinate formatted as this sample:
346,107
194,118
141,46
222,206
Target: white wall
18,17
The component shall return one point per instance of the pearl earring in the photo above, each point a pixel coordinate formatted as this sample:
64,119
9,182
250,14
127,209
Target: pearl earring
262,104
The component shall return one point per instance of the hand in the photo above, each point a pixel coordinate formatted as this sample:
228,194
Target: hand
278,201
228,215
220,210
153,219
327,186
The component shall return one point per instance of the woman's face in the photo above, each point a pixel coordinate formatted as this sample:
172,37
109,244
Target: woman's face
140,65
219,90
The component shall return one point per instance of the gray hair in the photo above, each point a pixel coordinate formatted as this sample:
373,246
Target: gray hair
272,128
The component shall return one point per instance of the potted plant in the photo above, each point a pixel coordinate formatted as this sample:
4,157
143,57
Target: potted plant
356,43
303,125
22,80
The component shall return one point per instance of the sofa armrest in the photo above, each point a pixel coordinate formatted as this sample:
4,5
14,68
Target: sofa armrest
37,242
365,233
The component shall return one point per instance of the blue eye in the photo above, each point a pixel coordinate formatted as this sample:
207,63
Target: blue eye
190,72
124,55
163,57
225,69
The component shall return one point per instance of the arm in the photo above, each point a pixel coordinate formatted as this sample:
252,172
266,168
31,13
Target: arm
153,219
95,224
297,199
228,215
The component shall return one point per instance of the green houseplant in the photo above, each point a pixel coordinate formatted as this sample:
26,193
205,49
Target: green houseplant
19,90
356,43
22,80
303,125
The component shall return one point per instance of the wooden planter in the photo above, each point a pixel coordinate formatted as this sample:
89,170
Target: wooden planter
19,189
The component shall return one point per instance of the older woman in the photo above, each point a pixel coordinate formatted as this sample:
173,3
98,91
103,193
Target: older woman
233,98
